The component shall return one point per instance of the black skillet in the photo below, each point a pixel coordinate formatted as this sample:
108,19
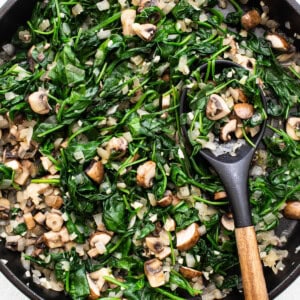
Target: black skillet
16,12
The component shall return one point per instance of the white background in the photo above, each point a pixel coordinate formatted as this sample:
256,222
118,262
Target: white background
8,291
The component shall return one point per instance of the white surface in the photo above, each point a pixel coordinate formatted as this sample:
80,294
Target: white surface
8,291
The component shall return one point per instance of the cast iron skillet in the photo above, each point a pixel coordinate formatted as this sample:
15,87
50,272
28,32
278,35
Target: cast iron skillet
16,12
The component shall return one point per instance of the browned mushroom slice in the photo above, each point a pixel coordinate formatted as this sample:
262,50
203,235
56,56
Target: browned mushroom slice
39,217
145,31
4,208
244,110
220,195
94,290
95,171
238,95
54,201
189,273
165,201
227,129
38,102
292,210
293,128
154,272
251,19
216,108
278,42
29,220
228,222
127,19
188,237
146,174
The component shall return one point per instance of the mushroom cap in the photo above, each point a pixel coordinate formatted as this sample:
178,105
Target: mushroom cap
250,19
293,128
216,108
244,110
292,210
227,129
154,272
38,102
188,237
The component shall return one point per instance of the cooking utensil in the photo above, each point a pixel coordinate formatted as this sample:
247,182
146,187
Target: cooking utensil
233,171
16,12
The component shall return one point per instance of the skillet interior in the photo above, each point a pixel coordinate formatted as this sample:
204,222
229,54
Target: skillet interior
13,14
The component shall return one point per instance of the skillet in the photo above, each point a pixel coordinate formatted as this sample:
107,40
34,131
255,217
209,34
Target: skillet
16,12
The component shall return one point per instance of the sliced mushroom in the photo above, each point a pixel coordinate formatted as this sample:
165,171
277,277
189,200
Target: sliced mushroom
154,244
238,95
99,240
292,210
98,276
147,3
216,108
244,110
278,42
220,195
146,174
189,273
54,201
245,61
250,19
38,102
188,237
94,290
54,221
228,222
39,218
95,171
53,239
145,31
227,129
48,165
293,128
127,19
154,272
117,147
29,220
4,208
165,201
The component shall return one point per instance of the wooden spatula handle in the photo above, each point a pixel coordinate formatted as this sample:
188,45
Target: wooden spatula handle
254,284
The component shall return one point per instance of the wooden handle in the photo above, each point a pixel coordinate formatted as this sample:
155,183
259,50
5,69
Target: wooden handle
254,284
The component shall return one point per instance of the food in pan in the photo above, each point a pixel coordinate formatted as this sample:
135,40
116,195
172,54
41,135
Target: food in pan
97,190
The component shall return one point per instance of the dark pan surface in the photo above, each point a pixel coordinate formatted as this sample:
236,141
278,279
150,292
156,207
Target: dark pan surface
13,14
